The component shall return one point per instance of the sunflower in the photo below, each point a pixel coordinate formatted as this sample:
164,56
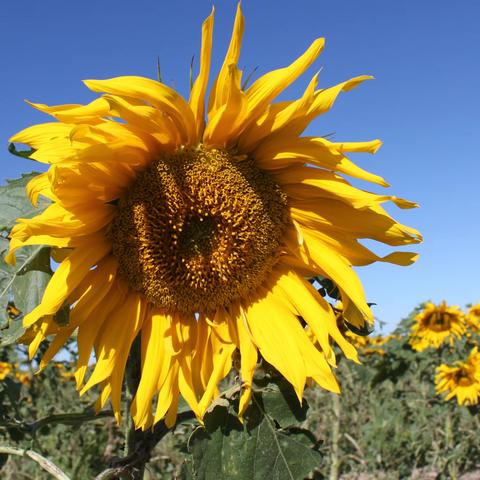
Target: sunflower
436,324
198,235
5,369
473,318
369,345
23,377
461,381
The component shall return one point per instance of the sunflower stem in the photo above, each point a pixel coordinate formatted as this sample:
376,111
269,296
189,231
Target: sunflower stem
133,437
449,440
335,452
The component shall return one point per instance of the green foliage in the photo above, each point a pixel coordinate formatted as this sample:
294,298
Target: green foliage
392,423
23,284
267,445
15,204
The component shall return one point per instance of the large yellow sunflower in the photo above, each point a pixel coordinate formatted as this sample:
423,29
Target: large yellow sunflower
199,235
461,381
436,324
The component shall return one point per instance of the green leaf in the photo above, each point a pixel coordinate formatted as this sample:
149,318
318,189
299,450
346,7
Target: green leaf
32,278
14,203
256,450
11,333
24,283
12,389
280,402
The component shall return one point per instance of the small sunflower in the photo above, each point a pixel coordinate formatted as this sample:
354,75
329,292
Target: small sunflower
461,381
473,318
23,377
437,324
369,345
198,235
358,341
5,369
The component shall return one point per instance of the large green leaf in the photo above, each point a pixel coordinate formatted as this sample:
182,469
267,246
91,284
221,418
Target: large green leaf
23,284
14,203
279,400
259,449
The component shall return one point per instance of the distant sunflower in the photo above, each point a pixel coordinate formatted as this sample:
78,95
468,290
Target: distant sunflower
369,345
5,369
199,236
473,318
436,324
461,381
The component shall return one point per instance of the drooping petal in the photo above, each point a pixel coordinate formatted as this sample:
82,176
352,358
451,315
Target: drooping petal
155,365
302,182
280,153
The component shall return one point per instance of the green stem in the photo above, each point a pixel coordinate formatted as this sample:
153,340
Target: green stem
449,441
133,437
46,464
62,418
335,445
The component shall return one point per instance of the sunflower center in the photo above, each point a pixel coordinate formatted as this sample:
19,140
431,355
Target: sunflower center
439,321
464,377
199,229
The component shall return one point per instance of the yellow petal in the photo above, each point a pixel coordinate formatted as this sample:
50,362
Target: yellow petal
267,87
155,362
329,264
248,354
67,276
147,118
336,216
88,330
271,325
43,133
324,100
317,313
218,92
304,182
91,113
157,94
277,116
115,339
225,122
199,88
280,153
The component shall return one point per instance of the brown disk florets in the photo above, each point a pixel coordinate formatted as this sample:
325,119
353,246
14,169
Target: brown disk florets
199,229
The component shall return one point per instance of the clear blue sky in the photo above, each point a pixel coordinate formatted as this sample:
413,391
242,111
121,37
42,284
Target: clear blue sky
424,103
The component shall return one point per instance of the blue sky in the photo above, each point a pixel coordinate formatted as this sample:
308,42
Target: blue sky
424,103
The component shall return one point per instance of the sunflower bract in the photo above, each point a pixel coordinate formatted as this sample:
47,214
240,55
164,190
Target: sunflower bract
197,228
